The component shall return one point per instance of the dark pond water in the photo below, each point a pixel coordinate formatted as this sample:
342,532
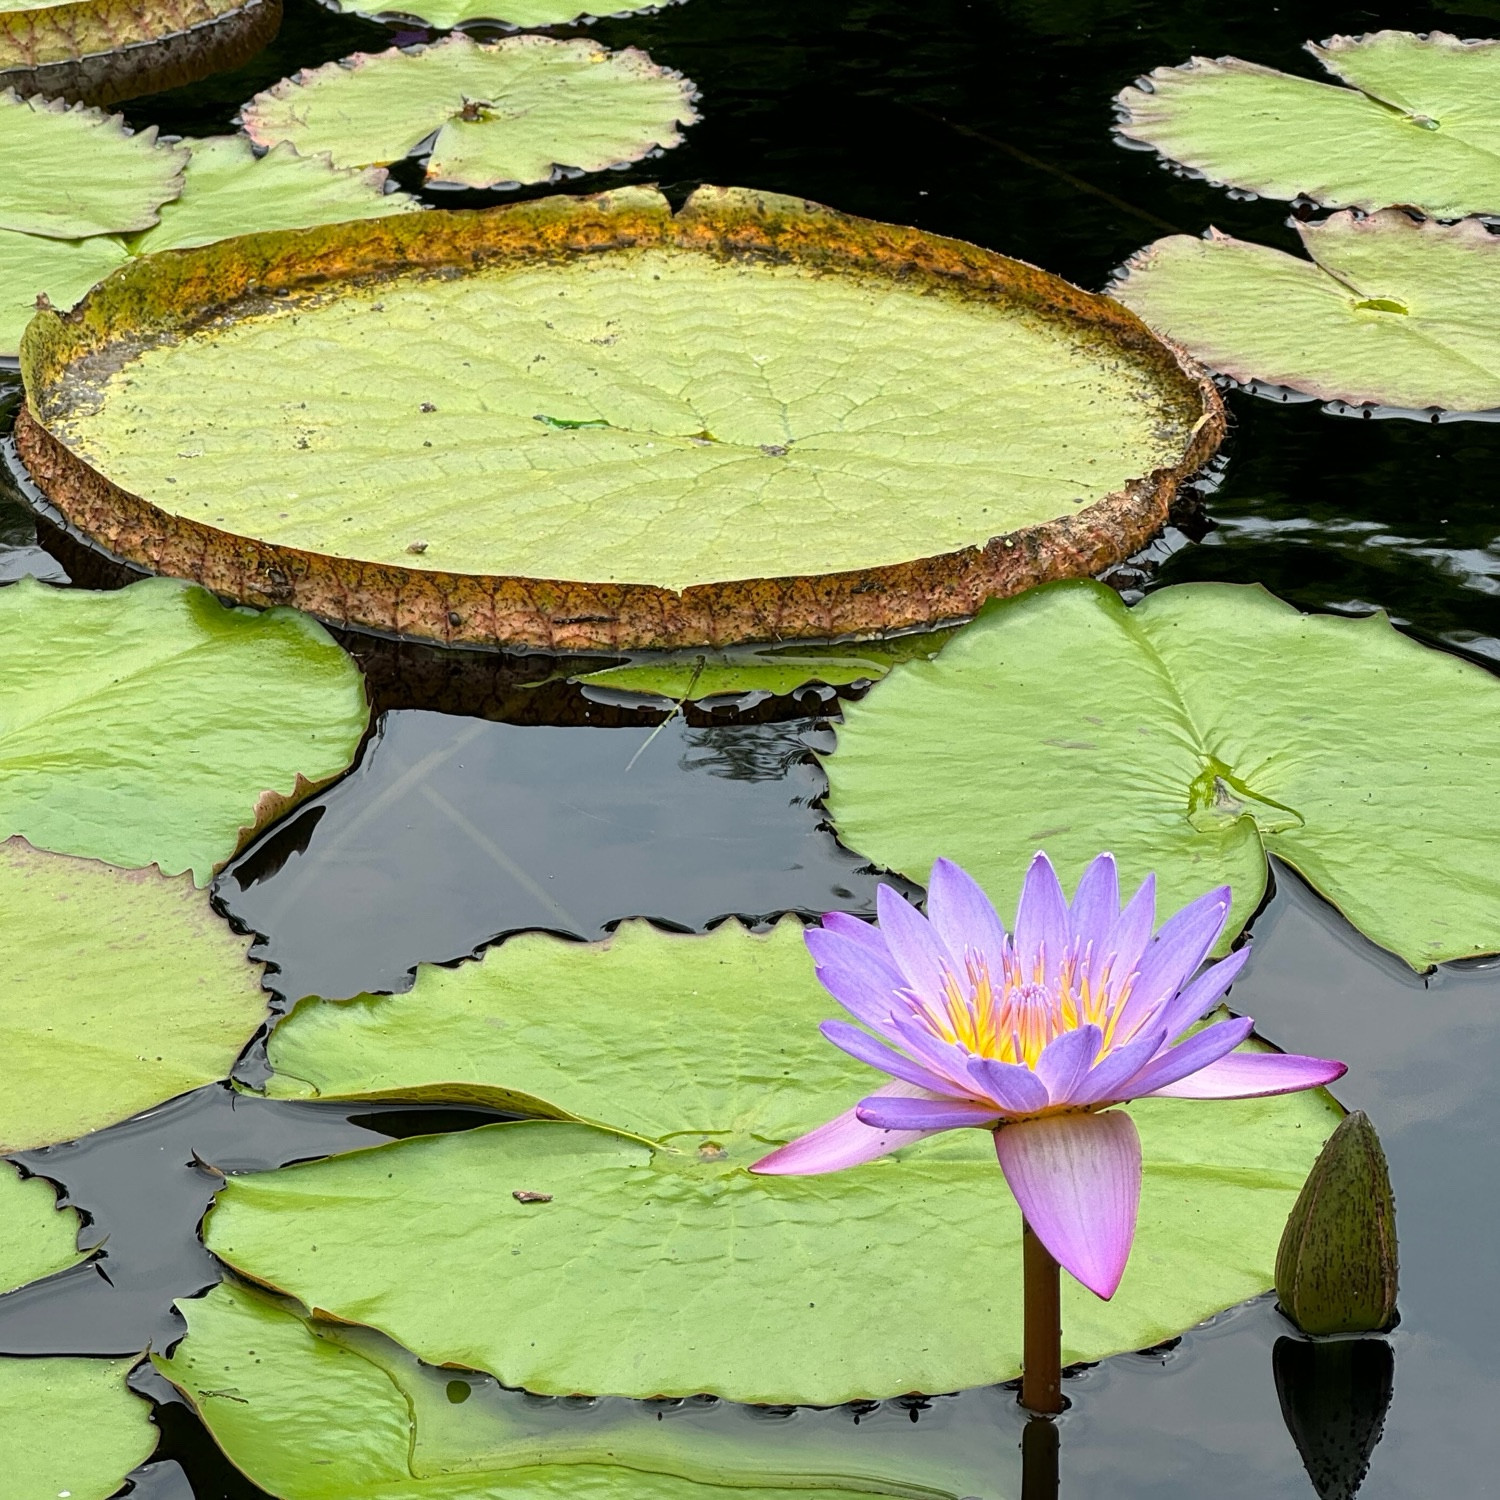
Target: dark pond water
478,810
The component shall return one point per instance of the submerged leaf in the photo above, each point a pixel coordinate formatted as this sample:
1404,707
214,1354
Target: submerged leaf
1419,127
1192,735
685,1272
753,419
513,111
1389,310
36,1237
311,1410
72,1427
153,726
122,989
115,181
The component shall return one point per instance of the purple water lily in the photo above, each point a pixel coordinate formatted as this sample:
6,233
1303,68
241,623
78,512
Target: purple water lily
1034,1035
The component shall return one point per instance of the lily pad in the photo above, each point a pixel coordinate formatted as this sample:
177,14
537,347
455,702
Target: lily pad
122,989
1389,310
1192,735
263,709
658,1265
72,1427
509,112
36,1237
226,190
102,51
752,420
692,676
1420,126
312,1410
524,15
116,181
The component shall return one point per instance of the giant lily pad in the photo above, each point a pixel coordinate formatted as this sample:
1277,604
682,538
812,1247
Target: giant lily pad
1193,734
259,710
72,1427
1389,309
102,51
659,1265
513,111
755,419
521,14
36,1237
226,190
1420,126
121,989
116,181
312,1410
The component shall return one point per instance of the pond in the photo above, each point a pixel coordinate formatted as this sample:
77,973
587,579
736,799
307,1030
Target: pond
481,807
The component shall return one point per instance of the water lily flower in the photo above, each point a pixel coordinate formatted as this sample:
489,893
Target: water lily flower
1034,1035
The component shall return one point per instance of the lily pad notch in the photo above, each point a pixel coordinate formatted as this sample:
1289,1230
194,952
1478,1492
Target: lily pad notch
1158,405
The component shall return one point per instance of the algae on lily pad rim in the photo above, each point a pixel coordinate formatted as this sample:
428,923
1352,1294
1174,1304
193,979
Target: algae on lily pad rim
1194,734
686,1273
754,419
1390,310
522,110
1419,127
122,989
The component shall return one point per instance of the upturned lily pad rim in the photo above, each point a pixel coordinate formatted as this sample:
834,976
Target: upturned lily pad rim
172,294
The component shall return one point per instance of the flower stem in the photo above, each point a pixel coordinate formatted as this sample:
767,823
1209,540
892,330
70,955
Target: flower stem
1041,1355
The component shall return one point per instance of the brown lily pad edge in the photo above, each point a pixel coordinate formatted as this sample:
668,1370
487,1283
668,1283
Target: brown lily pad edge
103,51
165,296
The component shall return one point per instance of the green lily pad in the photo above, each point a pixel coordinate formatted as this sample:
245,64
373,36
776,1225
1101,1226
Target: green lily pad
312,1410
523,15
1192,735
116,181
61,270
1419,127
123,989
659,1265
37,1238
1389,310
514,111
263,709
72,1427
228,190
884,428
687,676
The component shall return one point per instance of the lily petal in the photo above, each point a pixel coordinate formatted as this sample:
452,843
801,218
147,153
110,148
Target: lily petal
1202,994
1041,920
1096,902
1111,1079
842,1142
1015,1090
1251,1075
1132,929
860,983
1077,1178
1187,1057
919,953
888,1113
861,1045
1173,955
836,944
1066,1060
963,916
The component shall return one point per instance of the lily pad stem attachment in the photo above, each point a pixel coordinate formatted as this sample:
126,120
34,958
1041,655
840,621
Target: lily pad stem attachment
1041,1349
